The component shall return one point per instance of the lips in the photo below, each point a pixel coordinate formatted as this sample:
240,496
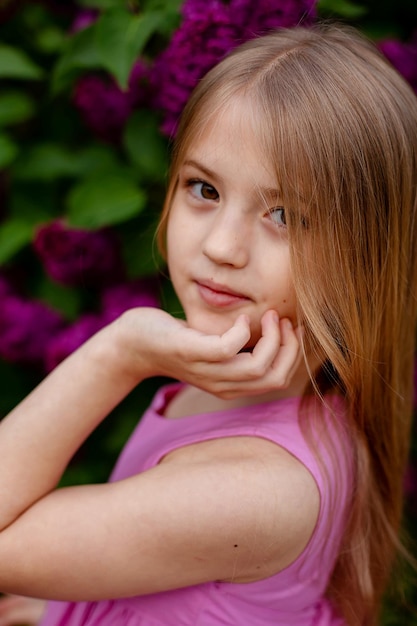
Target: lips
217,295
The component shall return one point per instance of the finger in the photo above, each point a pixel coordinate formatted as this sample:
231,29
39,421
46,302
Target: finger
245,367
217,348
289,356
273,361
268,345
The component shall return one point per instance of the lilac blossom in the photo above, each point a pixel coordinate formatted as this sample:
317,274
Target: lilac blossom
209,30
104,107
257,18
26,326
114,301
403,57
5,287
207,33
78,257
69,339
84,19
119,298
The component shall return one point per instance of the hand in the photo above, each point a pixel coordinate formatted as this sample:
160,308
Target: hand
20,610
216,363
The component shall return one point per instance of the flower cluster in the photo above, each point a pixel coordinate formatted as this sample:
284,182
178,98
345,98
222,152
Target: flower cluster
114,301
403,56
104,107
26,326
78,257
209,30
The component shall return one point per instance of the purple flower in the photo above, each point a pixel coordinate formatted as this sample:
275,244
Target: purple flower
403,57
138,91
114,301
5,288
78,257
104,107
26,327
257,18
71,338
207,33
209,30
119,298
84,19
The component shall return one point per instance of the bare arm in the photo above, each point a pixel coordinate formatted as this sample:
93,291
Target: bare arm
65,531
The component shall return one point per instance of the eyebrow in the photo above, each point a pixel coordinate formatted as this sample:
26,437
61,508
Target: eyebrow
199,166
270,192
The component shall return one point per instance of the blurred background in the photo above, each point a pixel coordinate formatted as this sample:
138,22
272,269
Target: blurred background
90,95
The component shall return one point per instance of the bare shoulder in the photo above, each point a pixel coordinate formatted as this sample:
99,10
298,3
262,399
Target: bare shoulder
269,498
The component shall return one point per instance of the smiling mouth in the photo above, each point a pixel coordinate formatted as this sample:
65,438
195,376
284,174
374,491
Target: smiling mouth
219,296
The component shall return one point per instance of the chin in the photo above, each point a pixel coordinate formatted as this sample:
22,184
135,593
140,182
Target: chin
210,324
220,325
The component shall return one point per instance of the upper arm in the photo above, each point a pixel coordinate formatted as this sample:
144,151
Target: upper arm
194,518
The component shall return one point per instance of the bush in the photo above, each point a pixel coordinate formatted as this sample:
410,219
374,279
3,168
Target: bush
90,95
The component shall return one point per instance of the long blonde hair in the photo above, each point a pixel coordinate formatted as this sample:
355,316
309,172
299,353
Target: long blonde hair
340,126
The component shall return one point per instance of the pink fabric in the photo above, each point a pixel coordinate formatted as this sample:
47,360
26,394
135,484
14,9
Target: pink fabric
294,596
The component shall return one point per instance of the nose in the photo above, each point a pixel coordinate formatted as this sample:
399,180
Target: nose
227,241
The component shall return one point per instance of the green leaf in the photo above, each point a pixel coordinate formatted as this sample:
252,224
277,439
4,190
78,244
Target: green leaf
8,151
64,299
343,8
101,201
146,146
46,162
80,54
16,64
168,6
121,37
102,4
49,161
15,234
50,40
15,107
139,248
98,159
33,204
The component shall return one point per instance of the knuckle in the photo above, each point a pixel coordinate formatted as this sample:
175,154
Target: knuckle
258,369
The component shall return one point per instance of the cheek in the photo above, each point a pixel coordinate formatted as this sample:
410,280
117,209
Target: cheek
173,242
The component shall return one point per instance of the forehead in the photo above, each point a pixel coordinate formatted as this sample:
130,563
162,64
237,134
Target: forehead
231,139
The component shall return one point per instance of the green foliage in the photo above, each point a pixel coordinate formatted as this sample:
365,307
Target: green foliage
145,146
15,107
342,8
14,63
53,166
118,30
101,201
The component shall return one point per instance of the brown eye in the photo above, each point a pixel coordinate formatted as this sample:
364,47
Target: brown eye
208,192
203,190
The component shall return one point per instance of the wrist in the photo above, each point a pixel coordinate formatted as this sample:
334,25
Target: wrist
129,338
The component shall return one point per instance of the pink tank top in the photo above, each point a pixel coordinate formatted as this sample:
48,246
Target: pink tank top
294,596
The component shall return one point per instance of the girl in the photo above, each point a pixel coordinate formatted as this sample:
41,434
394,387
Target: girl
266,487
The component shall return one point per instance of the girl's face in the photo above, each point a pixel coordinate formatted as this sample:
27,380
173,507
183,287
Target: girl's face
227,242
